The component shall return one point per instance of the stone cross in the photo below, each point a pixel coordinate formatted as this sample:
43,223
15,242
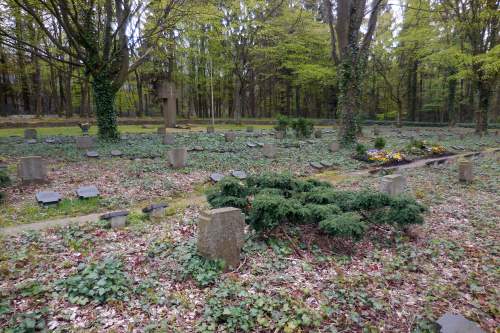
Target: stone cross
30,133
84,142
221,234
32,169
177,157
393,184
465,171
269,150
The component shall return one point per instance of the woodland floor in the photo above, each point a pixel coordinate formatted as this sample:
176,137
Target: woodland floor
292,280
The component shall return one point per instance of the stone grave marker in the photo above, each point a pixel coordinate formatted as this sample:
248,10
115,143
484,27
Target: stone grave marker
155,210
239,174
84,142
260,144
334,147
326,164
210,129
280,135
216,177
32,169
30,133
169,139
177,157
92,154
393,184
86,192
117,219
316,165
249,129
221,234
198,148
318,133
251,145
376,131
269,150
451,323
230,136
31,141
465,173
48,198
116,153
50,141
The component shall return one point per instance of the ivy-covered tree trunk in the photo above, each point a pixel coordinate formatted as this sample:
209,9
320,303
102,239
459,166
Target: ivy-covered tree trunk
104,99
484,103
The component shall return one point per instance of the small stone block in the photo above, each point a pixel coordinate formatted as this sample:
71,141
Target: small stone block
316,165
48,197
92,154
168,139
117,219
239,174
198,148
269,150
230,136
86,192
318,133
465,173
32,169
155,210
250,129
84,142
31,141
279,135
177,157
326,164
216,177
221,234
116,153
251,144
334,147
393,184
30,133
50,141
451,323
210,129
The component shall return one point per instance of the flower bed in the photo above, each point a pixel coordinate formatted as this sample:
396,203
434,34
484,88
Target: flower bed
383,157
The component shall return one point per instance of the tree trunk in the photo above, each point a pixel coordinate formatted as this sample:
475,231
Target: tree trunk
84,98
450,105
104,100
484,103
37,86
68,92
140,102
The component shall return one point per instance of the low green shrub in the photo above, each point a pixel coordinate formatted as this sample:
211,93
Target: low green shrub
97,282
282,123
274,199
379,143
302,127
361,149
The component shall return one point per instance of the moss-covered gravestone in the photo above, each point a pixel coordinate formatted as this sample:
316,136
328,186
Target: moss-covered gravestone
221,235
32,169
465,171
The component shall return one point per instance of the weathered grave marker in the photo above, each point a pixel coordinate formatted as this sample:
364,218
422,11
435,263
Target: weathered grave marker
465,173
316,165
169,139
251,144
279,135
92,154
155,210
210,129
117,219
230,136
177,157
216,177
334,147
221,235
269,150
84,142
239,174
116,153
48,198
30,133
86,192
318,133
451,323
31,141
393,184
32,169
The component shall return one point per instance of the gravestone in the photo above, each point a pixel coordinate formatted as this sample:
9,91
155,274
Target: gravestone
269,150
279,135
318,133
50,141
48,198
116,153
316,165
84,142
177,157
169,139
326,164
260,144
239,174
117,219
251,145
32,169
210,129
155,210
230,136
465,171
249,129
86,192
451,323
31,141
216,177
376,131
393,184
334,147
198,148
92,154
221,235
168,96
30,133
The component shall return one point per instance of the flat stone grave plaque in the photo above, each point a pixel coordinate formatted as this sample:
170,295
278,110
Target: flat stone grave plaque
451,323
326,164
310,141
117,219
239,174
260,144
48,197
116,153
155,210
86,192
316,165
198,148
92,154
216,177
31,141
251,144
50,141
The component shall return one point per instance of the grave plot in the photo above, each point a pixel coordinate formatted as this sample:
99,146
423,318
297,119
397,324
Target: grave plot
290,276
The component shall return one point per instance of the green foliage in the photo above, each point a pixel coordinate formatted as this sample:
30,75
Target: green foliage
98,282
361,149
303,127
379,143
4,182
232,308
104,99
28,322
347,225
282,123
275,199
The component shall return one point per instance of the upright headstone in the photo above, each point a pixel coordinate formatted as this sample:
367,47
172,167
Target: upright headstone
32,169
210,129
334,147
318,133
393,184
169,139
117,219
168,96
177,157
30,133
155,210
279,135
221,235
465,171
269,150
84,142
230,136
